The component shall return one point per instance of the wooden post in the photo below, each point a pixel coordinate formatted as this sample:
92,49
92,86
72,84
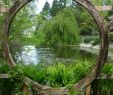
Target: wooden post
104,8
26,90
88,90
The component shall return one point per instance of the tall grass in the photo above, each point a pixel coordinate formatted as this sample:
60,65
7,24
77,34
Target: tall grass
57,74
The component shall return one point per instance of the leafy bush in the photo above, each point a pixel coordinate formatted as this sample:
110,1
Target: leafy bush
13,84
94,40
108,68
63,75
86,23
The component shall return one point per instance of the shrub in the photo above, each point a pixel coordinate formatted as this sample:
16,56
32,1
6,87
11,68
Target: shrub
94,40
108,68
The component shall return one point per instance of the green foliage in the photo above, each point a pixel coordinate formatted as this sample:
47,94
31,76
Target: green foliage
23,24
52,30
110,37
16,80
1,21
34,72
104,14
4,68
97,2
46,7
94,40
102,2
45,12
57,6
59,31
86,23
73,91
39,38
108,68
102,87
57,74
0,49
12,85
1,26
7,3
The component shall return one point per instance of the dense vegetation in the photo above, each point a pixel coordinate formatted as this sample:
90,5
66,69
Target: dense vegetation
56,74
65,21
33,28
60,24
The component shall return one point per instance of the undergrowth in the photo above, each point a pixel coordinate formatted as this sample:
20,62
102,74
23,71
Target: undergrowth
57,74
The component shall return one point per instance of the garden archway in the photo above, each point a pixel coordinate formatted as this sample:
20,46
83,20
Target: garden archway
102,56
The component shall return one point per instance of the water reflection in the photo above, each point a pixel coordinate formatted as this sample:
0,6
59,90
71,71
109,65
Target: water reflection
31,54
28,55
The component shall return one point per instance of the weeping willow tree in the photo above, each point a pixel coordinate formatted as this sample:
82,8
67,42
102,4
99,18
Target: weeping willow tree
62,29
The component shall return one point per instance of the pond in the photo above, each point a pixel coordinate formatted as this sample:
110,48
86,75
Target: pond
31,54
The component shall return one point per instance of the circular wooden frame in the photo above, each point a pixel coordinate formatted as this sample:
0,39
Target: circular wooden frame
102,57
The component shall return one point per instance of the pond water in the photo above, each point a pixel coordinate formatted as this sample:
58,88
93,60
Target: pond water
31,54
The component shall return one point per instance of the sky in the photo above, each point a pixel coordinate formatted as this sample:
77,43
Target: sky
40,4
